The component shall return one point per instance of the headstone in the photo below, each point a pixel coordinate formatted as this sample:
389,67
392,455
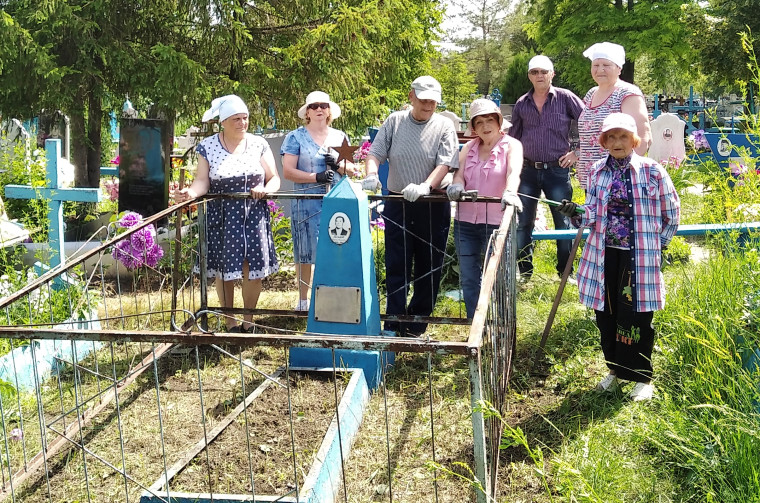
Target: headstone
52,126
188,140
55,194
145,148
733,148
667,138
344,297
13,133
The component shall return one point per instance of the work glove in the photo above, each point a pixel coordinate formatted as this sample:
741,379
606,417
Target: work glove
454,191
413,191
509,198
447,180
371,183
331,162
568,208
325,176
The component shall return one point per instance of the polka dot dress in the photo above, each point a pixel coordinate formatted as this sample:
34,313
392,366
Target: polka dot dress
237,229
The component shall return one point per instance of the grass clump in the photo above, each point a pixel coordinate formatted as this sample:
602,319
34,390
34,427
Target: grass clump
698,440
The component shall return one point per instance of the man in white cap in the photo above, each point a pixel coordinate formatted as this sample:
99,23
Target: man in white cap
541,120
420,147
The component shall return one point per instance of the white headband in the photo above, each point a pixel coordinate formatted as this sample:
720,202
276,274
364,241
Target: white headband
606,50
225,107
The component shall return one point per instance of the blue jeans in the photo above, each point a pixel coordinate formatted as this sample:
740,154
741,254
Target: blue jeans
555,183
415,242
471,241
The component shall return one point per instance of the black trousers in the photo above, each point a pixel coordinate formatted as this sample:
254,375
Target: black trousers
415,242
627,336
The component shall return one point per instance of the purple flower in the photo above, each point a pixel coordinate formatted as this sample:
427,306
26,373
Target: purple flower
379,223
16,434
700,141
140,248
130,219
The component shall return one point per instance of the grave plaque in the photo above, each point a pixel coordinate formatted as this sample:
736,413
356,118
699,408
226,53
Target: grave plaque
144,158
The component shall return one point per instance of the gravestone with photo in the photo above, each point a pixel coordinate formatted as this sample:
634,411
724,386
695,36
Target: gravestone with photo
54,126
145,147
668,138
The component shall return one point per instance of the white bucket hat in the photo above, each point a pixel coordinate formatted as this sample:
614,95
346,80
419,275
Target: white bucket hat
319,97
484,106
619,120
225,107
606,50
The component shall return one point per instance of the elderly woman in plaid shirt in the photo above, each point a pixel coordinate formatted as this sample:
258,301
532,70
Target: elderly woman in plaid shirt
633,212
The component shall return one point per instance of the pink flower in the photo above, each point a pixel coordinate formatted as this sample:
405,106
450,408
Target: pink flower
363,151
112,189
16,434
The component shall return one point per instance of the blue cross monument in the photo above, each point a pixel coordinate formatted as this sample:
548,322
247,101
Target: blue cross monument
55,196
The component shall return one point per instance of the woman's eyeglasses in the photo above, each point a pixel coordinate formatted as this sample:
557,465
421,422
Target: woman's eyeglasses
314,106
537,72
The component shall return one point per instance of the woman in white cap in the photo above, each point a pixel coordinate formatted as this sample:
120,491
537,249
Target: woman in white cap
490,164
240,243
610,95
309,161
633,211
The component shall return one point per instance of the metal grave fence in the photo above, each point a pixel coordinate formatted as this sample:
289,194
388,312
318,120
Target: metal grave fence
119,386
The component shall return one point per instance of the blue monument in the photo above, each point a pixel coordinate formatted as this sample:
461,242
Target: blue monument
344,296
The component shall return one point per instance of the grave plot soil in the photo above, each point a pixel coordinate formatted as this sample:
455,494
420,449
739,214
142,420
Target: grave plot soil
230,465
152,443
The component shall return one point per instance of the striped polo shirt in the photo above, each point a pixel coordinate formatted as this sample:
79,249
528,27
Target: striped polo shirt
413,149
590,125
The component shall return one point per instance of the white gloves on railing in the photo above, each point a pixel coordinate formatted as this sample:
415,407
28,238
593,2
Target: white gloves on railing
413,191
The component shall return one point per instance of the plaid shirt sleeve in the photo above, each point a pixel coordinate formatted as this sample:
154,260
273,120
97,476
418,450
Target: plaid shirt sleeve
670,205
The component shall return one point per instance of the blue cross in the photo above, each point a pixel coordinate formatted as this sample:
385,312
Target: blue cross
496,96
55,196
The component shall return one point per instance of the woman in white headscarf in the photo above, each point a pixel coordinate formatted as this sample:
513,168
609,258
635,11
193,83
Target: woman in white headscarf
240,242
609,96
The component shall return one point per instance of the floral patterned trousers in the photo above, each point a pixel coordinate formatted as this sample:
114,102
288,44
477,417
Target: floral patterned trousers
627,337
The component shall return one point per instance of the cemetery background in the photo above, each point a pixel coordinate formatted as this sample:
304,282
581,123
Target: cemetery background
576,447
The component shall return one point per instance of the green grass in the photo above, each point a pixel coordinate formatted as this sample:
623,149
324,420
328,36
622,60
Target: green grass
697,441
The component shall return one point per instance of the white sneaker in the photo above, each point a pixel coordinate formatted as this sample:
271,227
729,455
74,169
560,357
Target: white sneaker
609,383
302,305
642,391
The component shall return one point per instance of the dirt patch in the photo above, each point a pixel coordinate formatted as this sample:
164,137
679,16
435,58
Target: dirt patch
156,427
257,446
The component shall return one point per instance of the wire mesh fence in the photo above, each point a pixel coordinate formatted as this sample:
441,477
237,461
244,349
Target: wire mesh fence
121,384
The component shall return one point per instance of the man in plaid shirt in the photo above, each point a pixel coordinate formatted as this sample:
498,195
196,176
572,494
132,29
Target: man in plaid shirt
633,212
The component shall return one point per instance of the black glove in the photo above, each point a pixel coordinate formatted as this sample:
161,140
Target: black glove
331,162
568,208
325,176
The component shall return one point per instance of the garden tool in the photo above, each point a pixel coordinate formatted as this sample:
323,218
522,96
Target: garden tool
558,297
554,204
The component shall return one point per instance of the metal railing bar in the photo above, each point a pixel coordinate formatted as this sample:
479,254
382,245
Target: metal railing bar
304,339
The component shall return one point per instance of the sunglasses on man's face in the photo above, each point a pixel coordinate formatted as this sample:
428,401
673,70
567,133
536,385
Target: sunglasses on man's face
314,106
537,72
